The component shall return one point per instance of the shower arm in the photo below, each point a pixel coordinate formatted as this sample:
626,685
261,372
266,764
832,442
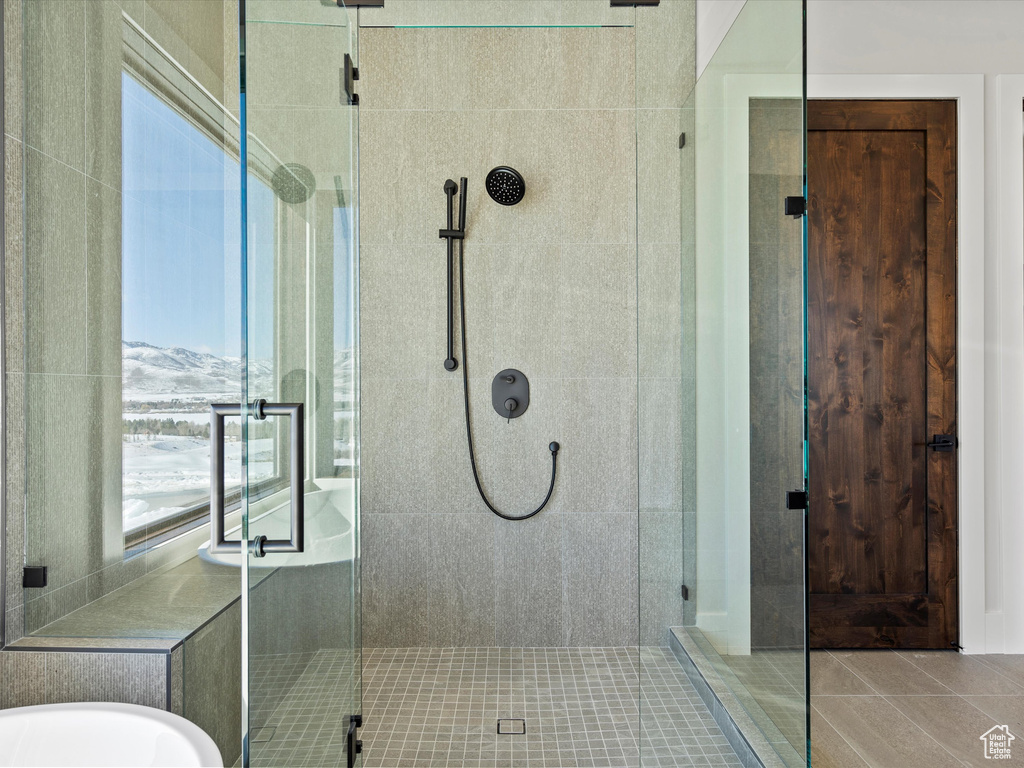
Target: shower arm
451,235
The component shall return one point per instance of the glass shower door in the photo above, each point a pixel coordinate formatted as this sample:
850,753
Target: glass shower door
748,266
301,632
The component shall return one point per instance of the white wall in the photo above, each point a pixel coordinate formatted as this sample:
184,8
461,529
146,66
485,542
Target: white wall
950,37
714,17
980,37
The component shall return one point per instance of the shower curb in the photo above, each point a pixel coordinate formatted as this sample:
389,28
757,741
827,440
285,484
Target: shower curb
742,733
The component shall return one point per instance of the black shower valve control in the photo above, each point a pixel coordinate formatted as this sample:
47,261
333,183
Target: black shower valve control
510,394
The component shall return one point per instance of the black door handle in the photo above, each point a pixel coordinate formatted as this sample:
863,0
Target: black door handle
942,443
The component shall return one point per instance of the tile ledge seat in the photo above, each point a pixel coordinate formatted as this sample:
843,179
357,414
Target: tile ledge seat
155,613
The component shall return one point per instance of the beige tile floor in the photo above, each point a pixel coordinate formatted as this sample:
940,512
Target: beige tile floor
904,709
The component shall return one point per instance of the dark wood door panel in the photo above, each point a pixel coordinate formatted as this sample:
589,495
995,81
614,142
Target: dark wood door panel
881,373
869,356
875,621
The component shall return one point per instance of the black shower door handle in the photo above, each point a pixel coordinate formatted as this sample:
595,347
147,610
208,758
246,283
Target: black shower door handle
260,410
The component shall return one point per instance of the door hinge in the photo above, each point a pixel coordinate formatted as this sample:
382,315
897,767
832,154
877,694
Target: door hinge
685,592
682,140
796,500
354,745
349,75
943,443
33,577
796,206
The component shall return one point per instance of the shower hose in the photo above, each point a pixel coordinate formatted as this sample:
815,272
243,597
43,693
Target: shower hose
553,447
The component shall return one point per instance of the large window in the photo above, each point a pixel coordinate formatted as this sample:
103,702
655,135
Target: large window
180,312
181,297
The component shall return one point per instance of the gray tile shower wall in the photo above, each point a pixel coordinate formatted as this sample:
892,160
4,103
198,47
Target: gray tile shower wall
51,677
590,117
12,538
776,378
448,572
552,289
665,75
63,64
211,673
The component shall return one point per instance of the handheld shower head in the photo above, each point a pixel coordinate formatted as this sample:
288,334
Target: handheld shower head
462,204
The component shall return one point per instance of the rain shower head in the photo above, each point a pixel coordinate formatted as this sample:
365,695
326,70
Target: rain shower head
505,185
293,183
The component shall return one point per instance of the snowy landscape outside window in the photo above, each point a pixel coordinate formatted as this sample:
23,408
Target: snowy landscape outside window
181,305
180,317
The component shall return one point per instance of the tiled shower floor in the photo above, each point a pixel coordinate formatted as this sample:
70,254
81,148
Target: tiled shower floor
309,724
427,707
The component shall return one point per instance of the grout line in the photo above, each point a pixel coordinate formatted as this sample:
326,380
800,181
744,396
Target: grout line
901,655
853,672
969,703
884,698
980,658
837,733
922,730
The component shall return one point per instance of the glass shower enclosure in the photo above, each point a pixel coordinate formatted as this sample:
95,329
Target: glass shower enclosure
221,211
747,263
300,580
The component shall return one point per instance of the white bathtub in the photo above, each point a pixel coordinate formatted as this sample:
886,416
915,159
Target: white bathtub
114,735
329,532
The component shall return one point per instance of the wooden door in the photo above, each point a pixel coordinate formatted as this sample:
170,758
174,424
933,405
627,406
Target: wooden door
882,543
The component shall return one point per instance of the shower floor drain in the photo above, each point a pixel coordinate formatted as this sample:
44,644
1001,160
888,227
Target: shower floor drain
512,726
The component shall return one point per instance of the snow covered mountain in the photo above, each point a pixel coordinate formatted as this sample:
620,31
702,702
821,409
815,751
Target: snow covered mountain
156,373
152,371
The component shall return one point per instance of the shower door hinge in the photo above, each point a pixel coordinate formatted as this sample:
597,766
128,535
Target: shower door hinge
33,577
686,592
353,745
682,140
349,75
796,500
796,206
